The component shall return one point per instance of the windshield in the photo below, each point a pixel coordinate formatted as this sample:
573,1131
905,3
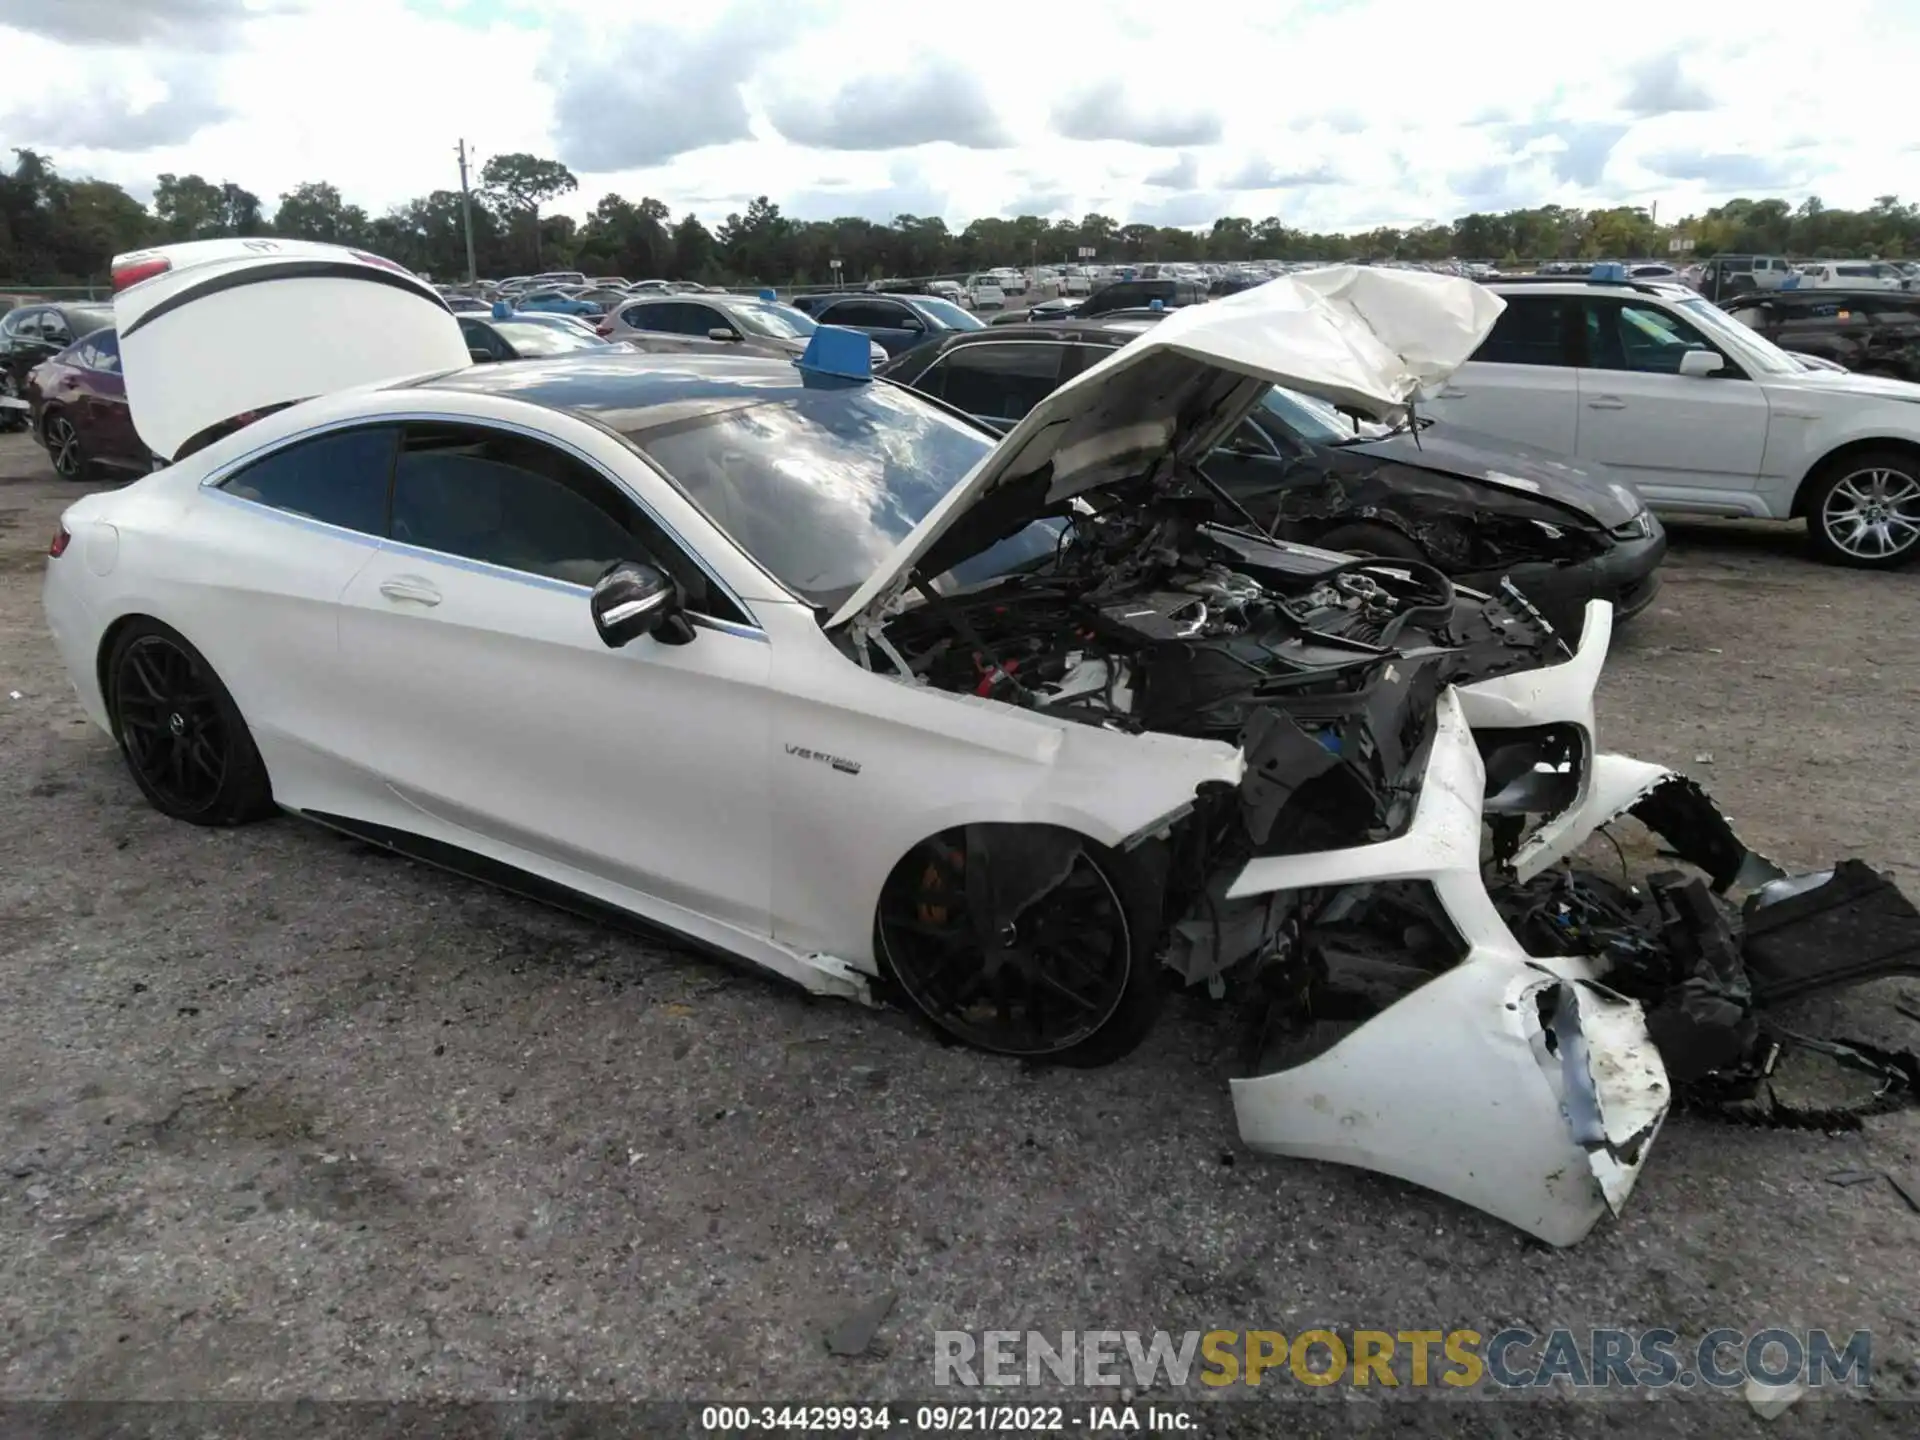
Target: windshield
821,486
529,339
951,316
780,322
1747,346
1309,418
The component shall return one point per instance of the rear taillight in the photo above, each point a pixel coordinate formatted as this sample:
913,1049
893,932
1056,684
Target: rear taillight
61,539
135,268
604,326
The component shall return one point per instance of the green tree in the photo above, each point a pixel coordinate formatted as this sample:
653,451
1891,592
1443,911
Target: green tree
315,211
520,184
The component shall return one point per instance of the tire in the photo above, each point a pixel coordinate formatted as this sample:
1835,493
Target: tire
1368,537
1863,511
64,449
1106,906
183,738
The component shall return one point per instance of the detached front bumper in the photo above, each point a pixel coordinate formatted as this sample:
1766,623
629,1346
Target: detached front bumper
1511,1081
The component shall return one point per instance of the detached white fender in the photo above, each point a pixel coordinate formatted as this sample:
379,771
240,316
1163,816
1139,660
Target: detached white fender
1510,1082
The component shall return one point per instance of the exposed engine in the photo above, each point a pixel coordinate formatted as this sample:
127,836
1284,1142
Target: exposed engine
1325,672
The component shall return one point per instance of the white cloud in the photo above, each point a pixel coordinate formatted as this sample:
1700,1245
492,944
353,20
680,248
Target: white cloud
1334,114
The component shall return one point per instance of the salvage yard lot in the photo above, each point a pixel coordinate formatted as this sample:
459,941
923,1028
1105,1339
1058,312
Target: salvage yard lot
285,1116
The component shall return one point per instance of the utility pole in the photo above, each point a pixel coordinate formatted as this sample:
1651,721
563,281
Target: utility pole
466,212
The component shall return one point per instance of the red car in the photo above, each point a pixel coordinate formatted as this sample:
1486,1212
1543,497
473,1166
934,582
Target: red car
79,410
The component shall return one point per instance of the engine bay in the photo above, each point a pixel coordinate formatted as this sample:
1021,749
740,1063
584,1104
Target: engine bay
1324,669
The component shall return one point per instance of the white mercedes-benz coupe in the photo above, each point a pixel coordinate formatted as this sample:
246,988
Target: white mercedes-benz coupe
801,666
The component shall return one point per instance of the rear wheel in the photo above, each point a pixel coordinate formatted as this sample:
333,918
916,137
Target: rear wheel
70,460
1367,537
180,732
1865,511
1025,941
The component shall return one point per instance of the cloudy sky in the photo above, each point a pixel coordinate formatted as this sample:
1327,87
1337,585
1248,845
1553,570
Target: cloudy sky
1333,114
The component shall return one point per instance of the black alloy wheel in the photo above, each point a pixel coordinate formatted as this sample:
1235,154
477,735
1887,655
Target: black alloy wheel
1071,980
184,741
63,447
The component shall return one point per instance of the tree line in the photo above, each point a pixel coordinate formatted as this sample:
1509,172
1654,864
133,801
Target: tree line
60,231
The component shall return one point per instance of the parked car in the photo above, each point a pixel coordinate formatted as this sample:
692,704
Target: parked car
559,302
1699,413
1138,294
1298,470
1725,276
716,322
78,403
808,669
30,334
520,336
896,322
985,292
1853,275
1874,332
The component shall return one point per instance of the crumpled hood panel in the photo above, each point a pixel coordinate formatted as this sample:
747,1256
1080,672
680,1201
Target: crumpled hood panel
1469,455
1371,339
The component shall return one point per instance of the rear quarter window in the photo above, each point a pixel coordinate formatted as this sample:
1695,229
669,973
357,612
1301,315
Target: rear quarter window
339,479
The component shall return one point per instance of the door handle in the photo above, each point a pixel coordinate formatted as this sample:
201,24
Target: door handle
1452,392
410,587
1606,402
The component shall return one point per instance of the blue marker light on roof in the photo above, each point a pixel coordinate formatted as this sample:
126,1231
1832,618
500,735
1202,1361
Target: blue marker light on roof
769,294
502,309
836,350
1608,273
1156,304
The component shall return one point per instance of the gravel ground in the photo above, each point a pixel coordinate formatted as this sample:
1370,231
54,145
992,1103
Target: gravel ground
286,1117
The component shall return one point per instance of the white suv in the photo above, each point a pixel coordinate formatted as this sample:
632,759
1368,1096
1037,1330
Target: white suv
1699,413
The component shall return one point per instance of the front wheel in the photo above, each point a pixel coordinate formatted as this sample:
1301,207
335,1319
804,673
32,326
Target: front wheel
180,732
1025,940
1865,511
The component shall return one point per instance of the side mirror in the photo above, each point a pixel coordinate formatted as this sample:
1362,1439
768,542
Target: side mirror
1700,363
723,332
912,324
479,356
634,599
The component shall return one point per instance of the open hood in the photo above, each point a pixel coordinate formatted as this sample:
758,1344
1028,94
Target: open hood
214,329
1356,336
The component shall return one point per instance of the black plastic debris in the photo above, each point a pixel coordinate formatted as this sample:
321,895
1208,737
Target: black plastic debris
854,1335
1856,927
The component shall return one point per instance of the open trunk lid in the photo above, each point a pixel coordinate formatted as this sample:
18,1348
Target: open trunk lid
215,329
1357,336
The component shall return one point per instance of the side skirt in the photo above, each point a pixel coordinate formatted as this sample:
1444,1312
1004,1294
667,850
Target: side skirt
814,974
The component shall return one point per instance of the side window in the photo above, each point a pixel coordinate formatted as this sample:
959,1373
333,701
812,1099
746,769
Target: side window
53,329
340,478
1640,338
1002,382
511,501
868,314
480,337
103,352
1530,331
650,317
702,318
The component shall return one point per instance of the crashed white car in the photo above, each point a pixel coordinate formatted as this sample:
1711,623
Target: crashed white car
801,666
